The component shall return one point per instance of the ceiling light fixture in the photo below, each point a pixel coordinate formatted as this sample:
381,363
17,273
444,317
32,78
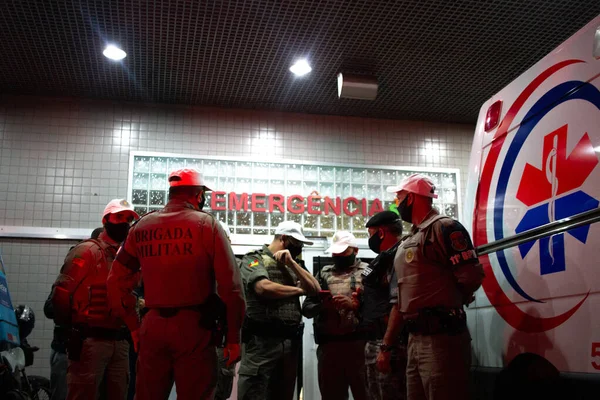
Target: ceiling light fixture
114,53
300,68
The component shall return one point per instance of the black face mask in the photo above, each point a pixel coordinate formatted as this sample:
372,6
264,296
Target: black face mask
294,250
117,232
405,210
202,202
375,243
344,262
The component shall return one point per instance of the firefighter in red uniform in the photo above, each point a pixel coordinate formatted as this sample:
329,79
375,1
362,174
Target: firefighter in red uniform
97,347
180,252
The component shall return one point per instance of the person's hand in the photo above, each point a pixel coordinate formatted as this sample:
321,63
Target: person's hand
135,338
284,256
384,364
342,302
355,301
232,353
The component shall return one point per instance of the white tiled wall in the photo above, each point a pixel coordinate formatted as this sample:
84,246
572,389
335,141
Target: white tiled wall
61,161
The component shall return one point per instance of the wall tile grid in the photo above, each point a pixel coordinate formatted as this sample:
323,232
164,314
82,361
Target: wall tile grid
62,160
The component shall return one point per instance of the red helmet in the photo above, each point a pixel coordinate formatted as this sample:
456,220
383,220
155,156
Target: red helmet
187,177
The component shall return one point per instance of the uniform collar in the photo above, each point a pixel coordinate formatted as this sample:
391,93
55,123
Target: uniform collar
266,250
177,203
103,237
431,215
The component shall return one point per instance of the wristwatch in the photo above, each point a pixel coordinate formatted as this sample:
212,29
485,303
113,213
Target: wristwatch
385,348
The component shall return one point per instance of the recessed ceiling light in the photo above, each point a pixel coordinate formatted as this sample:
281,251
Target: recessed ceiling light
300,68
114,53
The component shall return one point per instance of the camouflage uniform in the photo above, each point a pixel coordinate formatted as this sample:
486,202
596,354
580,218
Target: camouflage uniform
271,334
225,374
380,295
225,377
341,346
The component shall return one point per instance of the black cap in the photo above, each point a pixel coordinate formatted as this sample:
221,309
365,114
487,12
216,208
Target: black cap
382,218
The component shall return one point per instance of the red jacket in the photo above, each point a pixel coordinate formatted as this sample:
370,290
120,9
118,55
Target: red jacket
183,254
79,295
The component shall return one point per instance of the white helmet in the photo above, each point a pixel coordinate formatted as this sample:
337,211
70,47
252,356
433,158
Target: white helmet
417,184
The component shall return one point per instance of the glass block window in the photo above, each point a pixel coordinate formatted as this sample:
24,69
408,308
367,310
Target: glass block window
254,197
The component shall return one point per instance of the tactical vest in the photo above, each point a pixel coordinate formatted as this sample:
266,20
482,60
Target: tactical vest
375,304
334,322
422,282
90,301
284,310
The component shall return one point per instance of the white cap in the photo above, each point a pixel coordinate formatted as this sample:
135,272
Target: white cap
341,241
293,229
187,177
119,205
417,184
225,229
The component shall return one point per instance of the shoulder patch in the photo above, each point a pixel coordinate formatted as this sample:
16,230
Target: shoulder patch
367,271
78,262
458,241
253,263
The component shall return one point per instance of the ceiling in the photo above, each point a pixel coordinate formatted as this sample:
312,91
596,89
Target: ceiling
435,60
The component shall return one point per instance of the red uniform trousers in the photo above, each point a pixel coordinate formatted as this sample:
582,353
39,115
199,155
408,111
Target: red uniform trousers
175,348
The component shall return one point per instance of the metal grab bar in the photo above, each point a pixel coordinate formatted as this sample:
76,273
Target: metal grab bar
553,228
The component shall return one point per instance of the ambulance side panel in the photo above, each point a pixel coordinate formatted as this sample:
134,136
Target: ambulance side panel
538,165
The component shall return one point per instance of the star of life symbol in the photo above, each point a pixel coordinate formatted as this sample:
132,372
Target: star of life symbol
551,194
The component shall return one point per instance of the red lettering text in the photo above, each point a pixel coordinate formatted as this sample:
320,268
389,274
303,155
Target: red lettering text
312,203
347,211
278,202
337,207
237,204
257,199
295,207
375,207
216,199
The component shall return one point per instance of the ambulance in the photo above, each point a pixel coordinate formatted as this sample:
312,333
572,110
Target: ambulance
532,203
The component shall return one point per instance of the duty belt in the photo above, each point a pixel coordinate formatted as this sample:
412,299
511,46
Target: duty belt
378,328
275,329
168,312
349,337
436,320
103,333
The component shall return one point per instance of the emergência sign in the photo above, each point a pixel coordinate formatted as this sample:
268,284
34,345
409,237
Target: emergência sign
295,204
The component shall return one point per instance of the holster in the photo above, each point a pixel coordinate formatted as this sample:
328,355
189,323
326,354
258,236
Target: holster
436,320
214,318
75,343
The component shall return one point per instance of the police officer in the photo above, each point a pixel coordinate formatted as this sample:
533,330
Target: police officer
225,372
341,360
180,251
97,346
58,352
438,272
385,365
274,281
